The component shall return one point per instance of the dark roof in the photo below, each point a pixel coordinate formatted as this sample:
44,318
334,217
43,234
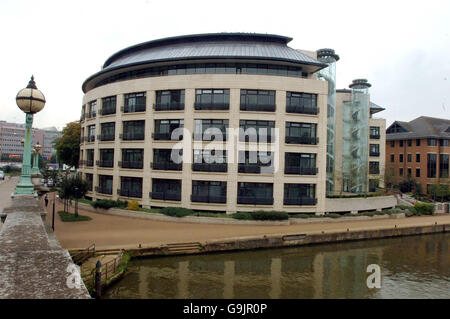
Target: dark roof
249,46
375,108
421,127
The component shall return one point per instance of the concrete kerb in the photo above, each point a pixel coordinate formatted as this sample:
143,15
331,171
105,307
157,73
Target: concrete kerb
226,221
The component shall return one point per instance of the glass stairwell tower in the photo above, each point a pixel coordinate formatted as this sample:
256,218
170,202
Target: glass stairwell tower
329,74
355,133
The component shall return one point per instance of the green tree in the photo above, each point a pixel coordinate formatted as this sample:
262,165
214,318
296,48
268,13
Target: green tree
72,187
68,145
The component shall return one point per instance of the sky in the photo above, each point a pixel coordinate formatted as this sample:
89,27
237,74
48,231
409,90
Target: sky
401,47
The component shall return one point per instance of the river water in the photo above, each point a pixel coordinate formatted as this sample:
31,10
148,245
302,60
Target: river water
411,267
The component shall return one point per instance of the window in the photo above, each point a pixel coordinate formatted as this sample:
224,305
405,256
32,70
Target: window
258,100
374,132
210,161
374,150
392,158
132,158
409,158
169,100
106,157
210,130
257,131
417,158
401,158
105,183
409,143
431,165
212,99
163,159
432,142
255,193
300,194
166,189
444,142
108,105
300,164
418,142
400,172
133,130
374,168
409,172
107,131
255,162
443,165
130,187
91,133
373,185
92,109
401,143
417,172
164,129
301,133
392,143
301,103
209,192
89,180
135,102
89,157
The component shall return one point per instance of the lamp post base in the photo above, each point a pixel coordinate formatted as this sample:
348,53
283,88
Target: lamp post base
24,189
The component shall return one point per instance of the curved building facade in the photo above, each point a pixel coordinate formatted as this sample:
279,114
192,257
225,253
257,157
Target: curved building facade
220,122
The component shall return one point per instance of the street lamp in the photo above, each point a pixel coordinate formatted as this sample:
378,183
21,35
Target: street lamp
35,170
30,100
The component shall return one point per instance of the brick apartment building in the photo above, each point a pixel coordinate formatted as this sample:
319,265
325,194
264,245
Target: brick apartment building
419,149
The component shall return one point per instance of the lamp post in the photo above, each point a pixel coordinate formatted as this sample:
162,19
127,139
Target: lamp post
35,170
30,100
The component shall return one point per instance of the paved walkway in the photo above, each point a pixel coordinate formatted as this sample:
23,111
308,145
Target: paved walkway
6,189
115,231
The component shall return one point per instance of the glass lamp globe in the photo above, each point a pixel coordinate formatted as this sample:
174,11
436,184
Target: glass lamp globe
30,99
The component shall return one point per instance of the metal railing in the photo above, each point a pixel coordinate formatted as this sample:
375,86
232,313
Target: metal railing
302,140
300,201
165,196
209,199
255,200
168,107
302,110
209,167
301,170
167,166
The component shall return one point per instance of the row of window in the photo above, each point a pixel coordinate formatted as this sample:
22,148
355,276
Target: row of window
207,191
206,130
205,99
207,68
206,160
430,142
408,158
431,166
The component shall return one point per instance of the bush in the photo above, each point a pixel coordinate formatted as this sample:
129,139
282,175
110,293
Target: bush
67,217
424,208
108,203
243,216
176,211
272,215
302,215
133,205
332,215
370,214
395,211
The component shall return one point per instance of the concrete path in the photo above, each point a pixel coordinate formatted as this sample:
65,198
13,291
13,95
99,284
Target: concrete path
123,232
6,189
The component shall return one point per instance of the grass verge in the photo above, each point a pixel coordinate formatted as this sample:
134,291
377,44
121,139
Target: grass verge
68,217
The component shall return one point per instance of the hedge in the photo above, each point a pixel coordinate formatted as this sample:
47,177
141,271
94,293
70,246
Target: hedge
424,208
108,203
272,215
242,216
176,211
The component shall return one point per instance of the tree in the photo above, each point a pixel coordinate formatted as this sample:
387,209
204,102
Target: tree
68,145
73,188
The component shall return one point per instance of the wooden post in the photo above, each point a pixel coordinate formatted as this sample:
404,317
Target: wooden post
98,280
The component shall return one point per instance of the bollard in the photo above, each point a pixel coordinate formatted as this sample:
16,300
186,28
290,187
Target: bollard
98,280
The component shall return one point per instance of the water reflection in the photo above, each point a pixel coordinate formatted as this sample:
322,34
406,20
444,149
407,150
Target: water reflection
412,267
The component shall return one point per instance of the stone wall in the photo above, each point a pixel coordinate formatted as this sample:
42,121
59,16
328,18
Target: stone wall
32,263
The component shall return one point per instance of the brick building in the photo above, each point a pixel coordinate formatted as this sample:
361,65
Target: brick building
419,149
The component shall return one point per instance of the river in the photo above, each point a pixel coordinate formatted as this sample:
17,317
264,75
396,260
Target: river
411,267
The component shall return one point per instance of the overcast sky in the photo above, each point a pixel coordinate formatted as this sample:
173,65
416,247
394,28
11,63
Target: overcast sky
401,47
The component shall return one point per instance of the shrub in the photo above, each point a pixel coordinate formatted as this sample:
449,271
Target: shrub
176,211
108,203
133,205
272,215
301,216
67,217
242,216
332,215
370,214
424,208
